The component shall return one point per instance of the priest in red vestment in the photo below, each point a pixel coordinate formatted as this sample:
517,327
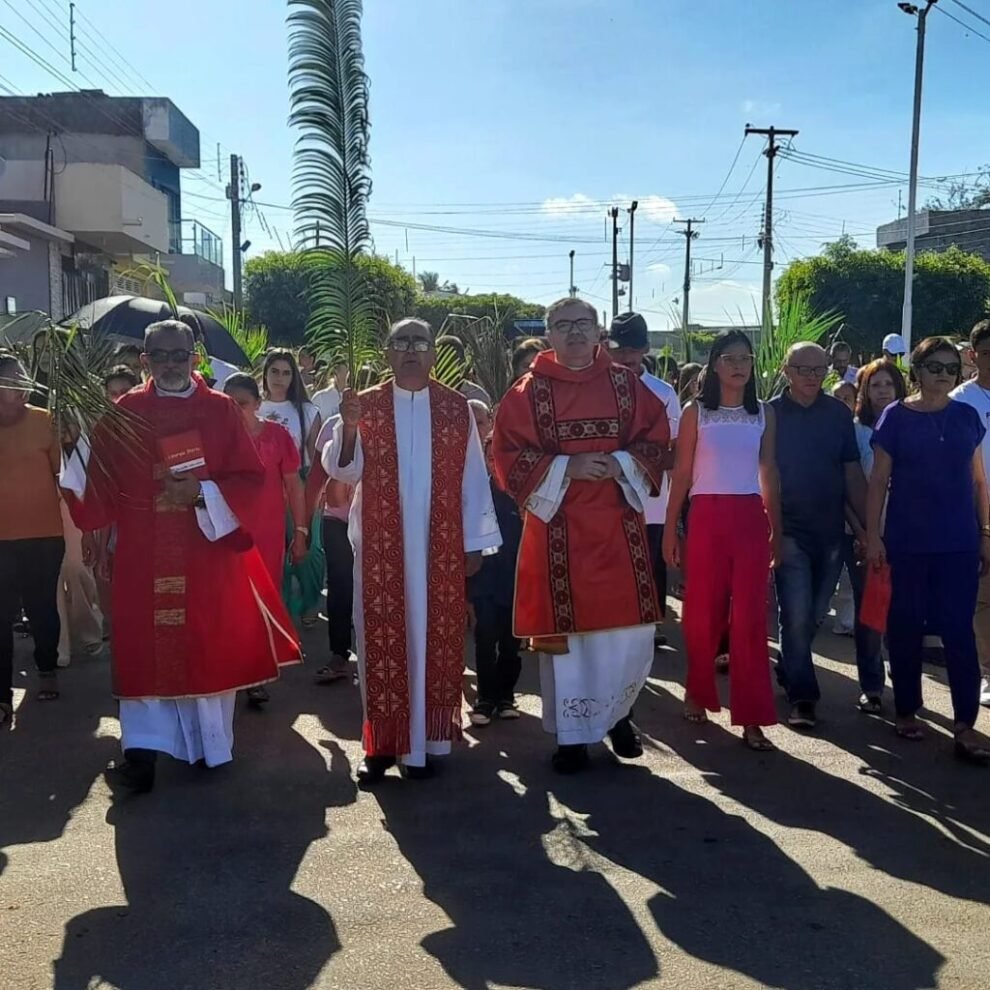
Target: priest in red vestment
421,517
196,615
580,443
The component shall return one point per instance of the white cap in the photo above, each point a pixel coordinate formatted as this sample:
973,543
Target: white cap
893,343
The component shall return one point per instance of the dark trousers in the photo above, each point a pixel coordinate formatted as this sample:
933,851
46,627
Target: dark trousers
654,536
869,660
340,584
29,571
496,652
943,588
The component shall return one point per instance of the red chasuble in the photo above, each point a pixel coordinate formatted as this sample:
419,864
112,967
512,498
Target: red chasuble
386,727
191,618
588,569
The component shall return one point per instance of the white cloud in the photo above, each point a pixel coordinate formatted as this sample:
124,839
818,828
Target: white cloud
652,208
759,108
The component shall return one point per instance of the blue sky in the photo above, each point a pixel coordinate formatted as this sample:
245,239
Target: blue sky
530,116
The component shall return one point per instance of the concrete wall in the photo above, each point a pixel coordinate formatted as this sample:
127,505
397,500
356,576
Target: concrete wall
27,276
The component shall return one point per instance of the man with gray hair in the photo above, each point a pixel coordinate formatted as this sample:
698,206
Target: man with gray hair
818,461
195,614
421,517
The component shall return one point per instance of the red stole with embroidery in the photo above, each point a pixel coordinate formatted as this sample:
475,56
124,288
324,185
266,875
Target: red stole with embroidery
386,727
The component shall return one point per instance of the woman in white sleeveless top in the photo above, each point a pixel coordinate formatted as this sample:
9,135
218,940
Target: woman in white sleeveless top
725,461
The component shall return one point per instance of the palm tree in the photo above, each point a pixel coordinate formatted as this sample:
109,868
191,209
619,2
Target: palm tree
329,106
429,281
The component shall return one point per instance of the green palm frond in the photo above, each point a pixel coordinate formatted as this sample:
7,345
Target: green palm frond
449,370
487,350
329,106
253,341
795,322
151,275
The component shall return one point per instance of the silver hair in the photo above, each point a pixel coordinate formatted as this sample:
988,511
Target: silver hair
555,307
175,326
800,346
479,404
411,321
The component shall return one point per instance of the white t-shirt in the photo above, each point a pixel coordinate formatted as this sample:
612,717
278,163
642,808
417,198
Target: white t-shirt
286,415
327,401
973,394
656,508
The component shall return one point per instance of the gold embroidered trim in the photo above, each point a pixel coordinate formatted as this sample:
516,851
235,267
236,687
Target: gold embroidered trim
170,616
170,586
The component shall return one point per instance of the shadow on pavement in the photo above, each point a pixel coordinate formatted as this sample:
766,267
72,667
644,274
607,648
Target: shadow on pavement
729,895
207,861
53,755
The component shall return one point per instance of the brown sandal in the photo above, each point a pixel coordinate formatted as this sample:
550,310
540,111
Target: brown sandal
50,693
757,743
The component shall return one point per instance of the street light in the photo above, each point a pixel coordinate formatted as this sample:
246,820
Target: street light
632,220
919,66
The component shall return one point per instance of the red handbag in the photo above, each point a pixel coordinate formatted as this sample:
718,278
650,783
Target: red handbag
876,598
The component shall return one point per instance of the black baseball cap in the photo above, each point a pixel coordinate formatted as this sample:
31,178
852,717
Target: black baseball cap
628,330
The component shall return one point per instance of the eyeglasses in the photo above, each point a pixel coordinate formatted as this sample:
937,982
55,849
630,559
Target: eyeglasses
941,368
584,325
736,360
178,356
418,344
810,370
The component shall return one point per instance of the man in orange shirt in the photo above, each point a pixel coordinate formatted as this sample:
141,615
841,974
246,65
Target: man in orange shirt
31,544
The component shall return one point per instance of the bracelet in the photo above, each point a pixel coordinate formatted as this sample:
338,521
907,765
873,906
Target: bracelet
303,529
985,530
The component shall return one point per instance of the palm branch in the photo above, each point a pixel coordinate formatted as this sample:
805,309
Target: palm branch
329,106
487,350
253,341
796,322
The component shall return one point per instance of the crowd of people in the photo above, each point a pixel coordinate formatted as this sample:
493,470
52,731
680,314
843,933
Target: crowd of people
195,526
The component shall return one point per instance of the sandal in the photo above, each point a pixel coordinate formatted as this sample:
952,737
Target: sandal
976,754
257,696
910,731
6,713
329,674
51,692
869,704
753,738
697,716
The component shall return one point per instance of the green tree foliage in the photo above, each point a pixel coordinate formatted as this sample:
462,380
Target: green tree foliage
964,195
276,291
429,281
436,309
866,288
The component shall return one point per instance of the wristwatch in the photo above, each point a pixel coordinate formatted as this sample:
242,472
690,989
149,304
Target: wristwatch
199,502
985,530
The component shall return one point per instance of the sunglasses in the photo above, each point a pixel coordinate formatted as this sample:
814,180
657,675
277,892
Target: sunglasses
585,326
942,368
178,356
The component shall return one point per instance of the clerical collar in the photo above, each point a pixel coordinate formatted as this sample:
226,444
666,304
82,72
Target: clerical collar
407,391
184,394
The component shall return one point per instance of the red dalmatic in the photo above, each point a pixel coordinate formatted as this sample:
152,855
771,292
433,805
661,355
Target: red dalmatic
588,569
191,618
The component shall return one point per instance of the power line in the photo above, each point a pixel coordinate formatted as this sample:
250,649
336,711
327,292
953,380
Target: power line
963,24
969,10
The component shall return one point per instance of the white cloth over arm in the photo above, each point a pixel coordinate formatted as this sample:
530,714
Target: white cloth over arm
481,530
547,497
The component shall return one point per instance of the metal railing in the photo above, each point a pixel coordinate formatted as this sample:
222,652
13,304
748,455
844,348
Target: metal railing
192,237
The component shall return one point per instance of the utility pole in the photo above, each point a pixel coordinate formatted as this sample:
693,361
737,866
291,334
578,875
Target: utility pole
689,235
771,134
614,213
572,291
72,34
919,71
632,219
234,194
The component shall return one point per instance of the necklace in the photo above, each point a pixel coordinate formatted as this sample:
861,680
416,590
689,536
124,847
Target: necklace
943,417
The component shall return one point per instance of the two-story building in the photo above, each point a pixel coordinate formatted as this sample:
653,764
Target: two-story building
89,189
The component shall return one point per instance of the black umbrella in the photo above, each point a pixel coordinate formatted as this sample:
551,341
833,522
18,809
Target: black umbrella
129,316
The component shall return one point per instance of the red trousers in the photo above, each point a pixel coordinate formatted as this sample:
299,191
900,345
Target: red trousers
728,569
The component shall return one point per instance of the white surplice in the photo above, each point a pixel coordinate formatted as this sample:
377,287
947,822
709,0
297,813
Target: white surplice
188,729
413,432
594,685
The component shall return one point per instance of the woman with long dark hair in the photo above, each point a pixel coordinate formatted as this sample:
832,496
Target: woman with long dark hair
878,384
286,402
725,461
936,537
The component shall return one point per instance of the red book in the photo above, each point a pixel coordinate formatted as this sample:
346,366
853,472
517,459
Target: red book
876,598
183,453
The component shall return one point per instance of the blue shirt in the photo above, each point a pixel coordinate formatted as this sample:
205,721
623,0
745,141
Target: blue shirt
814,445
931,507
497,578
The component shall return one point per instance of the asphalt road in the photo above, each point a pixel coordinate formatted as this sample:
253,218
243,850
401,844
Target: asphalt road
849,859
